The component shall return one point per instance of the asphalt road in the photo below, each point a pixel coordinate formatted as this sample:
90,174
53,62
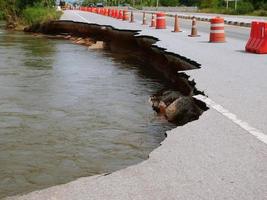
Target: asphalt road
235,32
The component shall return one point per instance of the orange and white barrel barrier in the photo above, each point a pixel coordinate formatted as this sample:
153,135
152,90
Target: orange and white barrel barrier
217,33
160,21
125,15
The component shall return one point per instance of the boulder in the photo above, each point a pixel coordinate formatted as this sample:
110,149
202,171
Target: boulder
80,41
163,99
97,45
182,110
170,96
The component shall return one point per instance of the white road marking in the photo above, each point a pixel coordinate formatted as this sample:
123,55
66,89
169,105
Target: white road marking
244,125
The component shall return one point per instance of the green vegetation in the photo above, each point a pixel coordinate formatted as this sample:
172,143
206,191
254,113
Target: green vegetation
27,12
242,7
37,14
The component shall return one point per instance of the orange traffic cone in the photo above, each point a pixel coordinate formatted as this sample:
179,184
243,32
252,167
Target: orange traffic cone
120,16
176,24
144,18
194,28
132,17
153,21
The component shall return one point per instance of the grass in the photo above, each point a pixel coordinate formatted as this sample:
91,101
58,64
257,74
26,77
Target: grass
37,15
259,13
233,12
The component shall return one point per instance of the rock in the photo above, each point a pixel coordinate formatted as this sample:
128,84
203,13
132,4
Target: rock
67,37
176,107
89,42
170,96
73,38
162,107
80,41
154,102
97,45
182,110
162,98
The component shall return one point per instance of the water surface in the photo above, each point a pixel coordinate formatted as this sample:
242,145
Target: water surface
68,112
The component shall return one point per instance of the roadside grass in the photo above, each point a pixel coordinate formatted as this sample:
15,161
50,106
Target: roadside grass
233,12
259,13
37,15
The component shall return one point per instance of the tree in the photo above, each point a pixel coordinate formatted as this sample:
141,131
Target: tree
210,3
169,2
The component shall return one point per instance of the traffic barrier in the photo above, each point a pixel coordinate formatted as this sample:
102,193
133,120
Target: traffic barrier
109,12
132,17
125,15
257,42
194,28
144,18
255,37
176,24
263,43
120,15
160,21
106,12
217,33
153,21
116,13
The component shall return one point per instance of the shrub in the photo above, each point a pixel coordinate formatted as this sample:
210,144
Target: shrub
263,6
210,3
169,2
244,7
260,12
35,15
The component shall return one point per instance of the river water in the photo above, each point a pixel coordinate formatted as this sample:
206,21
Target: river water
68,112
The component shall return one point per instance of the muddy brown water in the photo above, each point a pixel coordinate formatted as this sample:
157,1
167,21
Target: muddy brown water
68,112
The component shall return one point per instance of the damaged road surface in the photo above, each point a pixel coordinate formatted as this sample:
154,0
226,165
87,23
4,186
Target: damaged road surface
214,157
